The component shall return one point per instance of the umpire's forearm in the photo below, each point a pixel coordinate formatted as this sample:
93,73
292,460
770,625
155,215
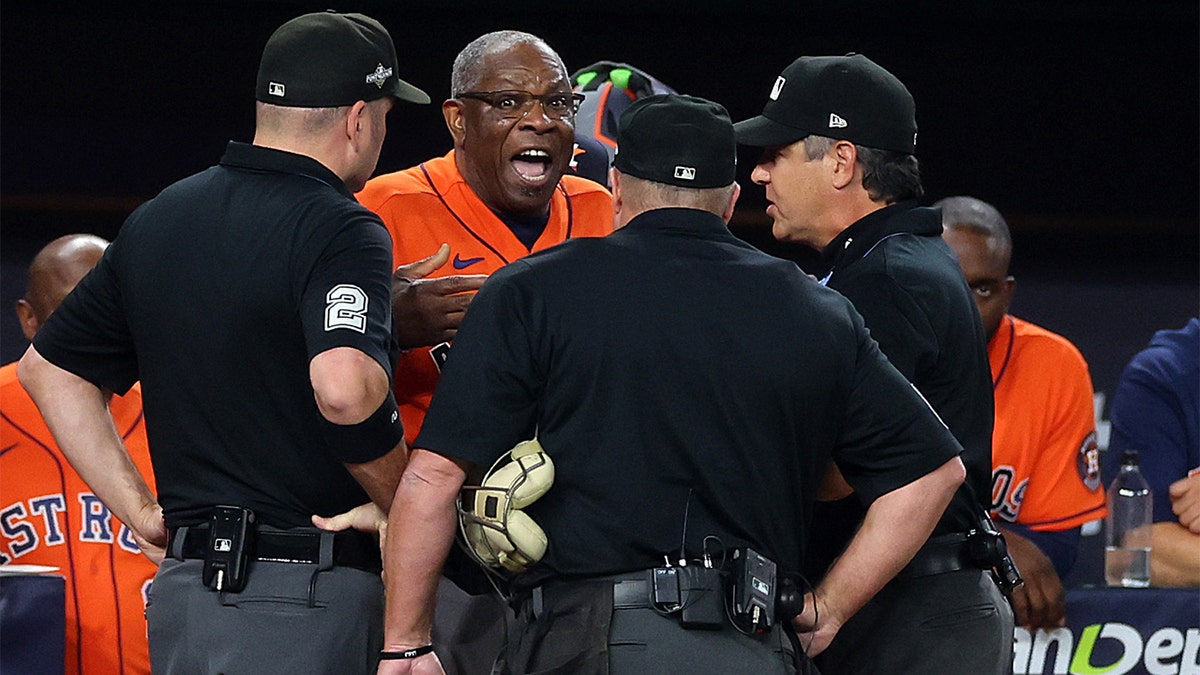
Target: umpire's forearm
896,525
381,477
77,414
421,527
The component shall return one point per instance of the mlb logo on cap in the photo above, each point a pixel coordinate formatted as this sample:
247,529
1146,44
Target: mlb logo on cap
677,140
328,60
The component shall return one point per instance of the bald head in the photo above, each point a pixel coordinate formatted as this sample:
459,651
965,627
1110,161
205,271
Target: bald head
979,237
54,271
978,216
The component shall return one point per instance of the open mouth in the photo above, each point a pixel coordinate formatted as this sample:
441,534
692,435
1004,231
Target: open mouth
532,166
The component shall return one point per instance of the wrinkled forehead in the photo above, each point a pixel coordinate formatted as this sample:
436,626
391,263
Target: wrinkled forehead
526,67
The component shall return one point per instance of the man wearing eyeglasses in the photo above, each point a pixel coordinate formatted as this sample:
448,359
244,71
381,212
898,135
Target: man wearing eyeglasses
499,195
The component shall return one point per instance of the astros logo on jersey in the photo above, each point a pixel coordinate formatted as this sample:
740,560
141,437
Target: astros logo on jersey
1088,462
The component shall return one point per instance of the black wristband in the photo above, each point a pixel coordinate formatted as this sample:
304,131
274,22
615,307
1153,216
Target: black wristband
371,438
406,654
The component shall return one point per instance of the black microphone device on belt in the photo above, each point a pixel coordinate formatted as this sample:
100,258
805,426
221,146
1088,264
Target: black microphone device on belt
753,591
692,593
666,588
701,602
230,538
988,550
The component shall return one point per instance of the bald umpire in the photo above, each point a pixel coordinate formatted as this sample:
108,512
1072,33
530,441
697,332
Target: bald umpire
252,300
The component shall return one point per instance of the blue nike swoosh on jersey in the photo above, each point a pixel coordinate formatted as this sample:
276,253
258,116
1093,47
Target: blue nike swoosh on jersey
460,264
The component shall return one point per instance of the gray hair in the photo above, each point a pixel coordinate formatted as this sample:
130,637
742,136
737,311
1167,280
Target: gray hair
646,194
974,215
888,176
466,73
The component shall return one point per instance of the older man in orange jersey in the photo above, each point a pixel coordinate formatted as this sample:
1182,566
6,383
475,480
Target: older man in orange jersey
499,195
504,191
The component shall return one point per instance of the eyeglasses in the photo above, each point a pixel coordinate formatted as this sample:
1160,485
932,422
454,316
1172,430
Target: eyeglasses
517,104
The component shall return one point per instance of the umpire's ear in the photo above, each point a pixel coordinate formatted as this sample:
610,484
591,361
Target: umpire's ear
28,318
453,112
356,120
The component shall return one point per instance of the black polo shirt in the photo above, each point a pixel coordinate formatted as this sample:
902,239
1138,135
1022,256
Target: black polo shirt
686,385
216,295
907,284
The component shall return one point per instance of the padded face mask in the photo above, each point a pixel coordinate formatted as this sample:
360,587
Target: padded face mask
498,532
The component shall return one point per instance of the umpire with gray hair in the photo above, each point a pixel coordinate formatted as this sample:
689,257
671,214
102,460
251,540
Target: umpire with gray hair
252,302
689,390
839,137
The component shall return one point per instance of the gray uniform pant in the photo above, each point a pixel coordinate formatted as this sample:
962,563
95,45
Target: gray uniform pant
468,630
268,627
581,629
643,641
958,623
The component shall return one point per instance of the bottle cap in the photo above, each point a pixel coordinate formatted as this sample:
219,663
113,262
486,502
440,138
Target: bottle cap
1130,457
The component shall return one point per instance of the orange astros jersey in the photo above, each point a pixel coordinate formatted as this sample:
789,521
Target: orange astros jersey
49,516
1045,461
431,204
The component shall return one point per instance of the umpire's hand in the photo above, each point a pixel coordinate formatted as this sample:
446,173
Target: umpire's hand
367,518
816,625
427,312
150,533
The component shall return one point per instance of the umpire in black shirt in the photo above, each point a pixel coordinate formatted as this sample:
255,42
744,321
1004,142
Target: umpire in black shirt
252,302
839,135
690,391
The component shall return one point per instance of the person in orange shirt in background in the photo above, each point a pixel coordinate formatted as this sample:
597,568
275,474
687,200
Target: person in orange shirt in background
50,516
1045,462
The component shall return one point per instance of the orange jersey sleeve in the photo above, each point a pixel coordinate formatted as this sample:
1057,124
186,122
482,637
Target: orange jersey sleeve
1045,461
49,516
431,204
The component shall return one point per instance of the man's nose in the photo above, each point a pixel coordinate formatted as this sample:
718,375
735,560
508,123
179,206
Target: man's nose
537,117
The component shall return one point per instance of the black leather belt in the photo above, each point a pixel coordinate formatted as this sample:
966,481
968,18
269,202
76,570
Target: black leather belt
940,555
629,593
350,547
630,590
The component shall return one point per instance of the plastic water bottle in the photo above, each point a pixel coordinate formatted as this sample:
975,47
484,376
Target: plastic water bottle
1127,531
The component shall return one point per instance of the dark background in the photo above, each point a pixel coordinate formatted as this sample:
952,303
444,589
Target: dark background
1077,119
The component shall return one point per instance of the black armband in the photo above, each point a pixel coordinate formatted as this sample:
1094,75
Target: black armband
371,438
406,654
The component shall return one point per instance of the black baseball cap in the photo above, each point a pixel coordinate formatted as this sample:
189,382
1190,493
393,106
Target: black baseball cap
328,60
678,140
844,97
